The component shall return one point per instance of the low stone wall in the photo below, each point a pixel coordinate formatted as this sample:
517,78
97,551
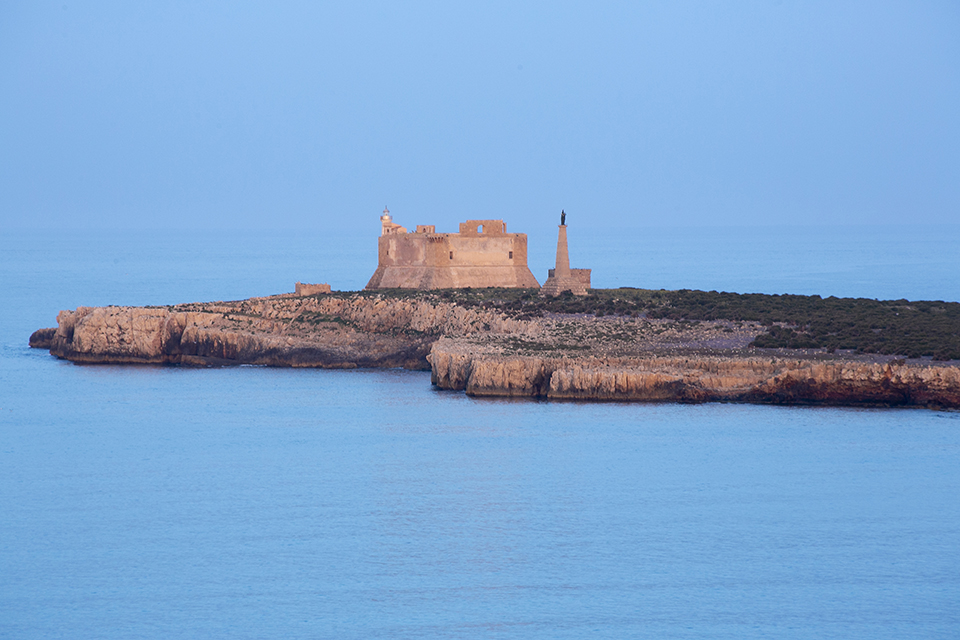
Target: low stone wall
304,289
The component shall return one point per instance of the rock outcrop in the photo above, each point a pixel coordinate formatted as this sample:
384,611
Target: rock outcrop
484,352
694,377
42,338
357,331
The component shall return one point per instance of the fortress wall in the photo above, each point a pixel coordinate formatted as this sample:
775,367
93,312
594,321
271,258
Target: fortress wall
483,250
483,254
409,249
434,250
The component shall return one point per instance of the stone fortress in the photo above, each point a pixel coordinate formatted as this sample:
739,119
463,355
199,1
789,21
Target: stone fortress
481,254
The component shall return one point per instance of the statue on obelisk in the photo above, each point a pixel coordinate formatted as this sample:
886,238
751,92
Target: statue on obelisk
562,269
562,278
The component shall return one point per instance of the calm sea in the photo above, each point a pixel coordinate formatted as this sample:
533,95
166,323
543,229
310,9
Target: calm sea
159,502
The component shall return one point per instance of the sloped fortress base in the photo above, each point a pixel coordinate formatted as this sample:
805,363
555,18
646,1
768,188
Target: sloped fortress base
481,255
397,277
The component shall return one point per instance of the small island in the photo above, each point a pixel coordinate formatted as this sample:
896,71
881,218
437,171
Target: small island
565,342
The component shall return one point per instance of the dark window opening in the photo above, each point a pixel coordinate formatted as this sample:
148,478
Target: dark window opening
451,255
511,255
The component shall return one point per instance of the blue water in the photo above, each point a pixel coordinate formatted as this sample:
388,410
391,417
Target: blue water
158,502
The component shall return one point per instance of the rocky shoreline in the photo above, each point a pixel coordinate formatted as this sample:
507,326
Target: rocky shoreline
313,331
485,352
696,377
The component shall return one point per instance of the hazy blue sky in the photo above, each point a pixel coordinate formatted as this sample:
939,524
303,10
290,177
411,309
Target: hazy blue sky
277,115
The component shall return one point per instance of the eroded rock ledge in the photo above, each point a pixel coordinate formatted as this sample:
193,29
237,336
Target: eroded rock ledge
695,377
318,331
485,352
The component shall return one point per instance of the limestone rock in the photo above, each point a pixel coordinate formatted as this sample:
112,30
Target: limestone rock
485,353
42,338
277,331
694,379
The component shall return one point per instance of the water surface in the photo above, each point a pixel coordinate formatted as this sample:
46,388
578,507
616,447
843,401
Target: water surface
157,502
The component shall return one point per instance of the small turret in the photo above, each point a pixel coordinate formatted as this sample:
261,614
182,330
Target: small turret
387,225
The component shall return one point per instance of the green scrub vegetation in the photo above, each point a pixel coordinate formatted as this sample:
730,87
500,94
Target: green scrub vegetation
862,325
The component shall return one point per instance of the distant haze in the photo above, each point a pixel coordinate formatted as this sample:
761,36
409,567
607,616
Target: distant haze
315,115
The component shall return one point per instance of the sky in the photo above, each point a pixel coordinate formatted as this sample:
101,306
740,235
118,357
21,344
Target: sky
316,115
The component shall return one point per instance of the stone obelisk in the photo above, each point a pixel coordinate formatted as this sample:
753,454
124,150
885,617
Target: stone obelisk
561,278
562,270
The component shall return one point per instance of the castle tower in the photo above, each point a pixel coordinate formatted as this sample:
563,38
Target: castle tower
562,277
387,225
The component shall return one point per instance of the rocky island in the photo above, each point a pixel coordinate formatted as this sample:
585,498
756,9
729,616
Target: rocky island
615,344
466,306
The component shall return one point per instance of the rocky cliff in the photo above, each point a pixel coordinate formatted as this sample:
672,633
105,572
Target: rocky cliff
696,376
486,352
323,331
